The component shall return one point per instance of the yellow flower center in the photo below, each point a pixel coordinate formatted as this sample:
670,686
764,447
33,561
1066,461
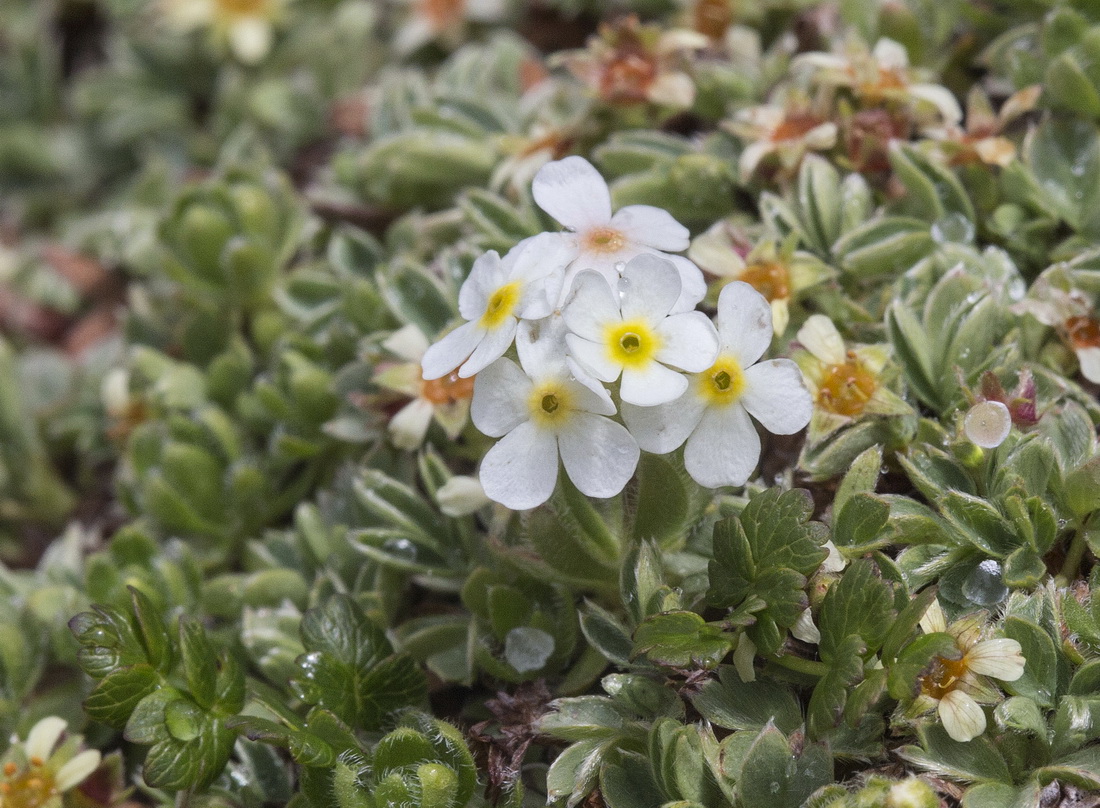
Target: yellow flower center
447,389
942,676
242,8
631,344
30,788
501,305
770,279
847,387
724,383
604,240
550,403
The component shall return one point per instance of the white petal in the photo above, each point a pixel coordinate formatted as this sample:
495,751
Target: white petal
648,288
941,98
962,717
592,304
653,227
409,425
804,628
1090,363
538,256
688,341
674,89
250,39
409,343
593,358
822,136
492,346
819,336
724,449
744,322
665,427
521,470
588,394
573,192
1000,658
461,496
43,737
414,34
451,351
599,455
654,384
541,345
835,561
751,157
891,54
714,252
605,265
987,424
776,396
486,276
500,398
693,286
76,770
933,620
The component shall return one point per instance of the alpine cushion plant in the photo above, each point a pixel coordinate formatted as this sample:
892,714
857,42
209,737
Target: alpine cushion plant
467,403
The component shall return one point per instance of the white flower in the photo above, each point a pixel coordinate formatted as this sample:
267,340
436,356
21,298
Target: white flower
444,21
987,424
713,415
954,685
447,398
541,412
494,297
574,193
246,24
633,334
39,771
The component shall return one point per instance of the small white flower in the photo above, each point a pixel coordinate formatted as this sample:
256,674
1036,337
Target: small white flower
713,415
497,294
633,334
447,399
247,25
39,771
574,193
954,685
987,424
540,413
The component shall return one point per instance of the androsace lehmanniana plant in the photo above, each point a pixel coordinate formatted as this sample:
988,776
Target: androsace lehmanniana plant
469,403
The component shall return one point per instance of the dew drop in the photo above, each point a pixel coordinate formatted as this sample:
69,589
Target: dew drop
527,649
954,228
984,585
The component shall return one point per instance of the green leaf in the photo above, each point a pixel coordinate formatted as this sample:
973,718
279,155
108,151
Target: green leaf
732,704
774,776
115,697
1081,768
1082,487
667,501
1001,795
628,783
860,604
766,554
906,622
860,523
974,761
574,772
978,523
349,666
1040,679
199,661
606,634
830,696
682,640
861,478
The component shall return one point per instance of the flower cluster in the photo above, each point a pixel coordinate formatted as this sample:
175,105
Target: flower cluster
603,322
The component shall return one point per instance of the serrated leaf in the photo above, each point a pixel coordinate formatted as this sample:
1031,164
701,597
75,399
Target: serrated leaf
733,704
1040,679
349,666
115,697
974,761
859,525
860,604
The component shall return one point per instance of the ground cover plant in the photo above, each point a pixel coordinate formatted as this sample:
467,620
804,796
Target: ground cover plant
442,403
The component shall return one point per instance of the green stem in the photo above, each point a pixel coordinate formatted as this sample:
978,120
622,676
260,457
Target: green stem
595,532
1074,555
799,664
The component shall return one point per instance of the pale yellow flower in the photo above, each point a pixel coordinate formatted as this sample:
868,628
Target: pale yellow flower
38,771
